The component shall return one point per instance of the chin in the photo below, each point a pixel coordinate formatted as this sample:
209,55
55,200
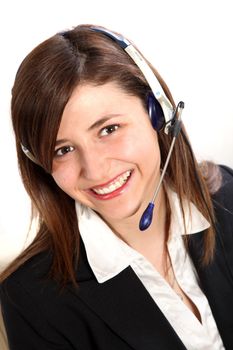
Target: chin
121,212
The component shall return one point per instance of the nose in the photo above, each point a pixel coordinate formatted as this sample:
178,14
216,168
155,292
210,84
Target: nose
94,164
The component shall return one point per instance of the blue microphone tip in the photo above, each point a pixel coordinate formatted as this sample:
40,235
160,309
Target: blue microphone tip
147,217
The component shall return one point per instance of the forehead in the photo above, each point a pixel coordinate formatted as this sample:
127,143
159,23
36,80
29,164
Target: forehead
89,103
87,95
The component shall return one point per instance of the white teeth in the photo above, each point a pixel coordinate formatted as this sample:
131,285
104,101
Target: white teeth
114,186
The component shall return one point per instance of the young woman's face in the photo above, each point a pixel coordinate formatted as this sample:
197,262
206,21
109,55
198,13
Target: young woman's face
107,155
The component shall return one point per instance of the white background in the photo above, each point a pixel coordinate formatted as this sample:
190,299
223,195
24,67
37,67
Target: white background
189,42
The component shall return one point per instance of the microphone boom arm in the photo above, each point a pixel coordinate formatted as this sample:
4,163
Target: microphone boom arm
175,127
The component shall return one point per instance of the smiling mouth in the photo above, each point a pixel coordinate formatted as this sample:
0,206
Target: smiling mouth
114,185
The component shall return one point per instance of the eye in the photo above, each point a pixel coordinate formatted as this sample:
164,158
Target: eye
63,151
109,129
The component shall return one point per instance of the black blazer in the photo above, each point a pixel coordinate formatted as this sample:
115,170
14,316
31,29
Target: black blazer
118,314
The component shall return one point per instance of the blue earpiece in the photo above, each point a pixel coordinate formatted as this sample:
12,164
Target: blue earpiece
155,112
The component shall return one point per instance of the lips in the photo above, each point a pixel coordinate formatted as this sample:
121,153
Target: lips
112,188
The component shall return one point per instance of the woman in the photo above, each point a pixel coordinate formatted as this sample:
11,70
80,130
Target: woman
92,140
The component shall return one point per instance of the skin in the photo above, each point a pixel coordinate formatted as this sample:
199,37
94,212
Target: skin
89,153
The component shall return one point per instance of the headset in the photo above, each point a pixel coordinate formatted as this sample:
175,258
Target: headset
161,112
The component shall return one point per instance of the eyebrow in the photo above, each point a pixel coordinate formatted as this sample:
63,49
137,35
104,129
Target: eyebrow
59,142
101,121
95,125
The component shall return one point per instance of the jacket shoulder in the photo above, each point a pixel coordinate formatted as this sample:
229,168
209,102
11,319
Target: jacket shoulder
223,198
35,306
32,271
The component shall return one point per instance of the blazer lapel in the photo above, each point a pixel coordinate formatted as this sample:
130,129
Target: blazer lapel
128,309
216,282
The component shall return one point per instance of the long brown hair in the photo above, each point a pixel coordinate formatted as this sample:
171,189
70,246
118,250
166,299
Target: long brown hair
43,85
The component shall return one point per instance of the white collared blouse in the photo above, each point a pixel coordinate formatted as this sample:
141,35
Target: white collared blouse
108,255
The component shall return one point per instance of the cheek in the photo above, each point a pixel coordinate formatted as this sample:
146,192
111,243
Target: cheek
65,177
141,147
147,153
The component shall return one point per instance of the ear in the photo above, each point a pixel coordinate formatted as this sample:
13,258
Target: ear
155,112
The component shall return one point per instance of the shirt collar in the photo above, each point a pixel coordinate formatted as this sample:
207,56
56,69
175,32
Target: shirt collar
193,219
105,251
108,255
